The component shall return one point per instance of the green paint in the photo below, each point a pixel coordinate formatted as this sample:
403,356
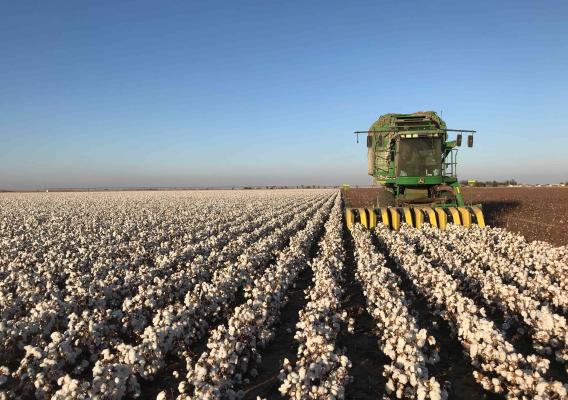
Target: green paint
410,155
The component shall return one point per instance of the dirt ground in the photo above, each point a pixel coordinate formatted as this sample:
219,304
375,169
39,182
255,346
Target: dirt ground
537,213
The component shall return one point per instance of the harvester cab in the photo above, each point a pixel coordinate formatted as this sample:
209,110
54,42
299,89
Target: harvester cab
410,156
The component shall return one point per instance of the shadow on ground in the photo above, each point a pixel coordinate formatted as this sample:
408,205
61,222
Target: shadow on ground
494,210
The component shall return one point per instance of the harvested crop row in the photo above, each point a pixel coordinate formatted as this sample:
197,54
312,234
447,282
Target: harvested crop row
549,331
499,367
234,346
409,347
321,370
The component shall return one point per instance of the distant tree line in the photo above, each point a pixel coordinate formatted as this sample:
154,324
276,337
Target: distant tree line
510,182
284,187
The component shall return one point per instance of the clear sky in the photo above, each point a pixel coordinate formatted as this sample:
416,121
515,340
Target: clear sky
181,93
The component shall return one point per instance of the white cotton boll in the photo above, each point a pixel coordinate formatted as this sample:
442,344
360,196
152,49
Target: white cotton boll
351,325
161,396
284,388
390,387
436,395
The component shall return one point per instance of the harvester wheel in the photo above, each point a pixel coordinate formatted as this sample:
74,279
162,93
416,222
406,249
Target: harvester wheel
447,195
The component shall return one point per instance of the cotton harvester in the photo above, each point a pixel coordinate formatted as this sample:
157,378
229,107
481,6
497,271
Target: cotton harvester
410,156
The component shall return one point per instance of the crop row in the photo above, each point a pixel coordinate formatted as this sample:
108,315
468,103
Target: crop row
74,243
321,370
535,263
499,367
101,293
233,346
549,331
409,347
82,324
177,325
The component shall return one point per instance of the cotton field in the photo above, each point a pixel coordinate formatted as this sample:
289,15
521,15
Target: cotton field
264,294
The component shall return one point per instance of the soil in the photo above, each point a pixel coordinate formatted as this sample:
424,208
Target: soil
537,213
282,346
362,345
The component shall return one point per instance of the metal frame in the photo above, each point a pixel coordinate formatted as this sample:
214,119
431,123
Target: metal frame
403,129
451,164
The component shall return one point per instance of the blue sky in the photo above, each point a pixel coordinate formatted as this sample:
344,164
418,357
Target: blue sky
180,93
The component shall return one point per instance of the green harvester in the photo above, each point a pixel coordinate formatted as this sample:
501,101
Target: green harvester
410,156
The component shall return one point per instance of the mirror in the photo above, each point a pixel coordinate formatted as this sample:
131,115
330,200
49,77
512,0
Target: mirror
459,140
470,141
